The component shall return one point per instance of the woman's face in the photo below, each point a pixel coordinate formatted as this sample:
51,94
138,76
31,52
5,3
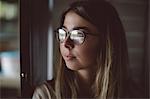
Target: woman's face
81,56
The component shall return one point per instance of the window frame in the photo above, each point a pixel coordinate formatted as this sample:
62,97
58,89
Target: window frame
34,16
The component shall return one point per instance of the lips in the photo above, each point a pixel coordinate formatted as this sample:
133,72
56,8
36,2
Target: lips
69,57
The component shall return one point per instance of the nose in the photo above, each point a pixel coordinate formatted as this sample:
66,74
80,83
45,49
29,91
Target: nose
68,43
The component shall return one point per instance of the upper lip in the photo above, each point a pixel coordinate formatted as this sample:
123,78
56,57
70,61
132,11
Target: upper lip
69,55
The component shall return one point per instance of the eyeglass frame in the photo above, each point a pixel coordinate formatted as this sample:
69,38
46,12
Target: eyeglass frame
85,33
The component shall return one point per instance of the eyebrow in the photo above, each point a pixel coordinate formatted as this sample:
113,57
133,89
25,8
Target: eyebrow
80,27
87,30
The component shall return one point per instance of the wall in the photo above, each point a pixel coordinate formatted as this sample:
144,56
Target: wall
134,15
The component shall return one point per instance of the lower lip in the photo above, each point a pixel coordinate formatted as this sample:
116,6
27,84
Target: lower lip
69,58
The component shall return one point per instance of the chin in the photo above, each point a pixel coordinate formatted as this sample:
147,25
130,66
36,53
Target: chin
73,67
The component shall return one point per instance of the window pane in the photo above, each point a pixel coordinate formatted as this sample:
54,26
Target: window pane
9,49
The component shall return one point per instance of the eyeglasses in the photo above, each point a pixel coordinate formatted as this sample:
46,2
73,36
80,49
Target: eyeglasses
77,35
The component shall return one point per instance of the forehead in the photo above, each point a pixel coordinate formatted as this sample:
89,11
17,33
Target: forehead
73,20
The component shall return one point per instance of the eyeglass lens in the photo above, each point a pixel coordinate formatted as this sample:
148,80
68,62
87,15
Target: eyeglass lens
77,36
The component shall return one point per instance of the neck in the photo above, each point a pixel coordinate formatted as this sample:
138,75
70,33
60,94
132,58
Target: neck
85,79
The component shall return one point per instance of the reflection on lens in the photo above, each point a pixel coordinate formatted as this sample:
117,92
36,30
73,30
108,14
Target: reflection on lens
62,35
77,36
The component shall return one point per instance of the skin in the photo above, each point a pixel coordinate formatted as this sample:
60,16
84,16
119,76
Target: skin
81,58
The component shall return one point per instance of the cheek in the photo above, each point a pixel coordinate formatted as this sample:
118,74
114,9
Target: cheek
61,49
88,54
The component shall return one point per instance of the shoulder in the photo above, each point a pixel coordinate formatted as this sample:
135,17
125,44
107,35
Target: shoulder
44,91
50,83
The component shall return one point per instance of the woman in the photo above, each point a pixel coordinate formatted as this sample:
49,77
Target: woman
93,54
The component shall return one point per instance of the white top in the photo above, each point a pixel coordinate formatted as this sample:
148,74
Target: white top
44,91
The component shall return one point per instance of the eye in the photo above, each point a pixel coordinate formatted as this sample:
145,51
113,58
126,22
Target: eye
77,33
77,36
61,34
